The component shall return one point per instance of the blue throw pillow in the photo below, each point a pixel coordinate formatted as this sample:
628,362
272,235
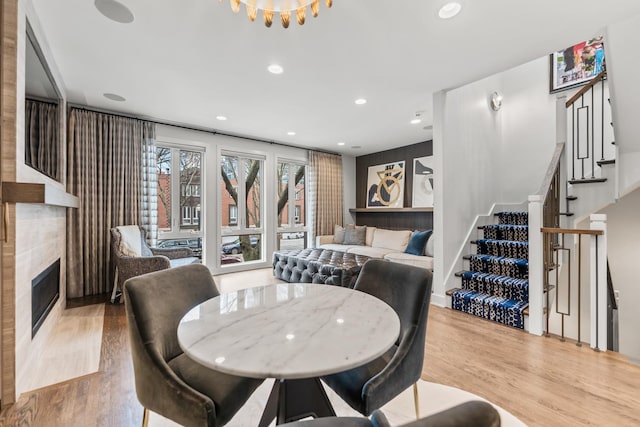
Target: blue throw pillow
417,242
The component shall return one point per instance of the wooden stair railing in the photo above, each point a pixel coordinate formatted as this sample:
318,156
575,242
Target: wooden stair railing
586,128
558,235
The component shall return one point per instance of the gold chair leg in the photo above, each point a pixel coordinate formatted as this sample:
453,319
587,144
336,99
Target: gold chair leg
145,418
416,400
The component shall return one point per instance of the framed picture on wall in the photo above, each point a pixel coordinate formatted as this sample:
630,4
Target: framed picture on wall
385,185
422,182
576,65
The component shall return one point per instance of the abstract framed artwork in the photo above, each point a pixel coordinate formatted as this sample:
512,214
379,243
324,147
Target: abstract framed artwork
385,185
422,182
576,65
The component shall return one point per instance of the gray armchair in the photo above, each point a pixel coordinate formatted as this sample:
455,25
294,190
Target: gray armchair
151,259
469,414
407,289
167,381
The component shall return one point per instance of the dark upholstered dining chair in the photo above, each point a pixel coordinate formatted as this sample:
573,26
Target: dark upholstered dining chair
148,259
167,381
474,413
407,289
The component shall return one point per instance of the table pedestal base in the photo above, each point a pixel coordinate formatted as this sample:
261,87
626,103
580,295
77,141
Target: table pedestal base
292,400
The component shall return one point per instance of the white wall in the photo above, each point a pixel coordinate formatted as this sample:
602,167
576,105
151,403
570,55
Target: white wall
486,157
528,130
466,142
623,235
621,44
213,144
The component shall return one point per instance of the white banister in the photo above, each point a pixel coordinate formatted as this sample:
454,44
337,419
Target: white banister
598,283
536,266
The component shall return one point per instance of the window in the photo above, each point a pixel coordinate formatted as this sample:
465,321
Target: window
186,215
233,215
291,205
196,216
179,174
241,213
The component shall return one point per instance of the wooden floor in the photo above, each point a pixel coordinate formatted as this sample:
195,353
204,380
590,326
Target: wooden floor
542,381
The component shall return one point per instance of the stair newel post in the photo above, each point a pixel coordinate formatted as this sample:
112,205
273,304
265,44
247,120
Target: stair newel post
536,266
593,137
602,119
598,276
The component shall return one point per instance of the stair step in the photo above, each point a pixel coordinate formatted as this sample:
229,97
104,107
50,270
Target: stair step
506,232
505,248
501,310
513,267
572,197
512,217
526,311
587,180
606,162
566,213
496,285
460,273
451,291
552,267
466,257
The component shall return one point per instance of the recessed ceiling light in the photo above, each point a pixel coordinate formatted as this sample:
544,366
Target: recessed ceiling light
340,143
361,101
114,97
222,118
115,11
291,133
356,147
449,10
415,121
275,69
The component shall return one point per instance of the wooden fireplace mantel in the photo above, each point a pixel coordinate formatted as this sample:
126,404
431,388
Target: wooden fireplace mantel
29,192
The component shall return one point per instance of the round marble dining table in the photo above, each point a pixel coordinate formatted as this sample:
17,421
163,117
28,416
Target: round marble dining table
288,331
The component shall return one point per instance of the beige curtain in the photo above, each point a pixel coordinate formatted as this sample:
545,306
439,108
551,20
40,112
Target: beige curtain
325,192
105,171
42,141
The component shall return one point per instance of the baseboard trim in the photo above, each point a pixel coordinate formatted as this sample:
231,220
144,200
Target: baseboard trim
439,300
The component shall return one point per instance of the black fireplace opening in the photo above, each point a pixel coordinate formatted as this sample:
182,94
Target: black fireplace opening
45,291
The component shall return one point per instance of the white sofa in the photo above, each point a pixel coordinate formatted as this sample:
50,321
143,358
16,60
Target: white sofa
383,243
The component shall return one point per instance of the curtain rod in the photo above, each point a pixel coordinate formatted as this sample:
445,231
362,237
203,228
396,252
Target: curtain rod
42,100
191,127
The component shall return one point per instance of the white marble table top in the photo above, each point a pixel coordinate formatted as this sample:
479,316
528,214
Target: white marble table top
288,331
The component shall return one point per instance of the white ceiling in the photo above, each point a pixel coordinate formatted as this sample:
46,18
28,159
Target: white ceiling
189,61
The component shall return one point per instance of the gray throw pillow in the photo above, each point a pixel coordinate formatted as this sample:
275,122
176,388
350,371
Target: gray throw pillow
428,248
338,234
355,235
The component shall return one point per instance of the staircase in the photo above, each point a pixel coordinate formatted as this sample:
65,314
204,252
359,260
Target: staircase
496,286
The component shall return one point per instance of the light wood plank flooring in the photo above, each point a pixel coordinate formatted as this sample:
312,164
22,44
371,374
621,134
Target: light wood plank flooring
542,381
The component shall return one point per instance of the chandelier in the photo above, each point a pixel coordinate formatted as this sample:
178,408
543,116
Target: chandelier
283,7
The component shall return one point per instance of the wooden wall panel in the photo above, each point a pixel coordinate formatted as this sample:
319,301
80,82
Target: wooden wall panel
392,220
407,154
396,220
8,110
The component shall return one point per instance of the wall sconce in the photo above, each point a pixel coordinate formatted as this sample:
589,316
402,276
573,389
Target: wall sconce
496,101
